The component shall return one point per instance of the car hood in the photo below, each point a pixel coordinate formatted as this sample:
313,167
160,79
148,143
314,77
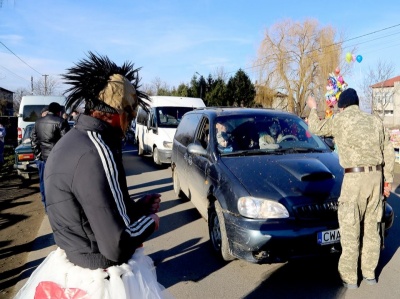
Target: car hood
168,133
288,176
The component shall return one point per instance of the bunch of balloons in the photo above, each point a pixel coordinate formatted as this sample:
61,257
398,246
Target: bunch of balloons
352,57
335,86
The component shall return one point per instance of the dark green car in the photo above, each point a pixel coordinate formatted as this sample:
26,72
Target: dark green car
24,157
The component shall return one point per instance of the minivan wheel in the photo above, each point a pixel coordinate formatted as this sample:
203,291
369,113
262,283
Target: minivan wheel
175,180
217,232
156,156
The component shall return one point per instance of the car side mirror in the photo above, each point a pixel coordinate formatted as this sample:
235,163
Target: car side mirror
329,142
196,149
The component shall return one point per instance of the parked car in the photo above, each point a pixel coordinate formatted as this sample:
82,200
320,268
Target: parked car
24,157
264,202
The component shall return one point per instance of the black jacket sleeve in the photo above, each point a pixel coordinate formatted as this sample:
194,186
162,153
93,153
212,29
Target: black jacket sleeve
35,143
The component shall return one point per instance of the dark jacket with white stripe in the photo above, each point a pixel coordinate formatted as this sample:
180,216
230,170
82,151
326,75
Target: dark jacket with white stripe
88,204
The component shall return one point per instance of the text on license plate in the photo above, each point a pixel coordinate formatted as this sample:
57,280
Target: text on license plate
328,237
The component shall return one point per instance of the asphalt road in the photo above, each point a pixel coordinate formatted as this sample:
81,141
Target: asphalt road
188,269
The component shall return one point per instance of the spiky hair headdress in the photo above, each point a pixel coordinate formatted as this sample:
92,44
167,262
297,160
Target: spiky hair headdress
101,85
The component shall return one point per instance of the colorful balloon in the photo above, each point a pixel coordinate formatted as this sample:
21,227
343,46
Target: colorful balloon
349,57
359,58
337,71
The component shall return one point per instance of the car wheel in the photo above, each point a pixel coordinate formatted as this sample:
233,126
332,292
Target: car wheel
140,149
175,180
217,232
156,156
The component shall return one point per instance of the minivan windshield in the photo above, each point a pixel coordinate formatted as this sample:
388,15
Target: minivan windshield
280,133
170,117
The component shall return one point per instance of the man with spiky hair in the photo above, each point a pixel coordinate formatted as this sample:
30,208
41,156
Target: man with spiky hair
96,224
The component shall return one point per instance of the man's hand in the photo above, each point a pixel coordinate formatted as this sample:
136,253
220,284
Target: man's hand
156,220
311,103
151,202
387,189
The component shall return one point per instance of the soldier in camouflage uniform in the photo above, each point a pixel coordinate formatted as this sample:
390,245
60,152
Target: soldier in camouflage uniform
367,157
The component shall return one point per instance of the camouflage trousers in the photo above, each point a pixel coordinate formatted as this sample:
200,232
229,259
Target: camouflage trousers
360,212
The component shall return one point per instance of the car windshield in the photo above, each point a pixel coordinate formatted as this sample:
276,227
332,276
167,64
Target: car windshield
265,134
170,117
27,134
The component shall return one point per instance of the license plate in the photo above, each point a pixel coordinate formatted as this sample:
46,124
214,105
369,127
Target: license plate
328,237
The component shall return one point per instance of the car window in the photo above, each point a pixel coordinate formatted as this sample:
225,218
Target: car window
262,131
187,128
202,136
142,116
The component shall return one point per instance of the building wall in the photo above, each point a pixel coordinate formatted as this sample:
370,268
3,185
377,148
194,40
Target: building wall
6,95
396,105
390,120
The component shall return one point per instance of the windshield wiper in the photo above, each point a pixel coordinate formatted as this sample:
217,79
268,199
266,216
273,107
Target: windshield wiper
300,150
278,151
252,152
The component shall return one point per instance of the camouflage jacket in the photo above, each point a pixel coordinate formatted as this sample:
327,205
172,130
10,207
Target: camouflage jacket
360,138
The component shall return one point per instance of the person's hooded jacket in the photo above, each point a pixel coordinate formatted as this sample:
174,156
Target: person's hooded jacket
101,225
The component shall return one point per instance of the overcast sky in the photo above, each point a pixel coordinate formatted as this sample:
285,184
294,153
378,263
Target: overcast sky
172,40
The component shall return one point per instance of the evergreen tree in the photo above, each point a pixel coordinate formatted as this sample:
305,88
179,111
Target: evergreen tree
216,93
240,91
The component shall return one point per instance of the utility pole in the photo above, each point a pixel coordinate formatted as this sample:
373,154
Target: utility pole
201,85
45,84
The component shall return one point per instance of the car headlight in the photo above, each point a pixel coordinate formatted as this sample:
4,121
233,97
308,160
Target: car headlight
167,144
258,208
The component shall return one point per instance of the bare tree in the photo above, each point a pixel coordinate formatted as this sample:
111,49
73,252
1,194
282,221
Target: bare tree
148,89
295,59
18,94
46,85
377,95
219,73
160,87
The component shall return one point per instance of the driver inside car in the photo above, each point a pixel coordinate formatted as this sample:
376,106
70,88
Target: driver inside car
274,134
223,138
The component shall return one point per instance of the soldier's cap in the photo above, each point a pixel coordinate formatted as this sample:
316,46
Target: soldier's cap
347,98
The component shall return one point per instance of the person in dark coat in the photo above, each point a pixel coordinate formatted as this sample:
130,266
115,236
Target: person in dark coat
2,139
45,134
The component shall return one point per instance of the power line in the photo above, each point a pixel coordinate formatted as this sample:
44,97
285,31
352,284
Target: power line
334,44
353,38
14,73
20,58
